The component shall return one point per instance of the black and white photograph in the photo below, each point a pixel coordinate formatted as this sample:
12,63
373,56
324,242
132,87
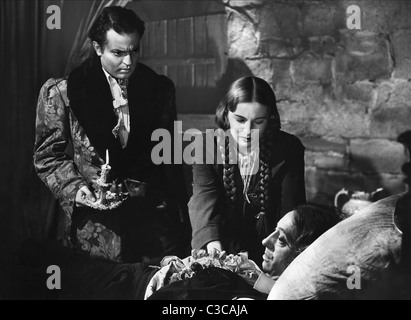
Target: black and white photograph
205,153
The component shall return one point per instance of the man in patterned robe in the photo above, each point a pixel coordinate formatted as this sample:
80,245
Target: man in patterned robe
110,105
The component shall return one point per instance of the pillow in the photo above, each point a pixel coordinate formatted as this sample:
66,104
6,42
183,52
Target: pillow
356,259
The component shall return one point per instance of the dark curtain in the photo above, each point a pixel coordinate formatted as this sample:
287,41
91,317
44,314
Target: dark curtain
21,49
30,53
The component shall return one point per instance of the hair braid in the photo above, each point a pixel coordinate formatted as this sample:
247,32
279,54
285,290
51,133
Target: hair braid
228,174
264,199
264,173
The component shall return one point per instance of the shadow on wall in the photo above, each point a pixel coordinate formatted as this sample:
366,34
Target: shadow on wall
236,68
204,100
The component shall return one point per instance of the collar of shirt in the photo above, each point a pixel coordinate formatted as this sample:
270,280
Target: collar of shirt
247,163
119,101
114,86
116,92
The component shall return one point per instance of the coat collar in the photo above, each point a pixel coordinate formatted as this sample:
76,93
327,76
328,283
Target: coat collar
91,102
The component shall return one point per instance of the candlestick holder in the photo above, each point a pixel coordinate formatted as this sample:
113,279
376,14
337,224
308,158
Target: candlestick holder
109,195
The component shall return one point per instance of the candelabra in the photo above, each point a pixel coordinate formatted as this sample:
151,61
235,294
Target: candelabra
108,193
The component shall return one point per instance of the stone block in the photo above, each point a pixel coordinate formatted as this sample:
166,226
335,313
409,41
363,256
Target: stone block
269,25
242,39
376,155
281,78
359,91
312,68
315,144
390,122
279,49
280,20
366,56
262,68
306,93
392,112
383,93
381,15
323,45
326,160
394,94
291,111
322,18
302,105
339,119
298,128
324,154
401,18
243,3
401,42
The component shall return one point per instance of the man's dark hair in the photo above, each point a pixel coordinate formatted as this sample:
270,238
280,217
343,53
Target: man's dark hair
311,221
120,19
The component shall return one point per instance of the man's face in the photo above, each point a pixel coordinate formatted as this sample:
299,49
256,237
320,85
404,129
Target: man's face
279,246
120,54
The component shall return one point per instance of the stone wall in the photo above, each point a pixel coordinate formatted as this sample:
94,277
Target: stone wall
345,93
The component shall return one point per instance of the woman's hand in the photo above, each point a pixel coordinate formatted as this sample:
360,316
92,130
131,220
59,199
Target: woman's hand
214,245
84,196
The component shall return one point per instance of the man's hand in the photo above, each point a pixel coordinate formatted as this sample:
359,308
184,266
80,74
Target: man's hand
157,281
83,196
214,245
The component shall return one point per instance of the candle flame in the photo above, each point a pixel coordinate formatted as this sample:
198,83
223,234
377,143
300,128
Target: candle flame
107,157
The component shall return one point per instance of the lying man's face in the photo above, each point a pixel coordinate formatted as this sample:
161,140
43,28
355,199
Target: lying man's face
280,250
119,56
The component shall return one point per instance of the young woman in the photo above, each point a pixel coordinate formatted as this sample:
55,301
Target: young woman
236,204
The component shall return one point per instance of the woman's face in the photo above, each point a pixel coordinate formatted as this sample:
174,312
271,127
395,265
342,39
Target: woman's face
279,246
247,116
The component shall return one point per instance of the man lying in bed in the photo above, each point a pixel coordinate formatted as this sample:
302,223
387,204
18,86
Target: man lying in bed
203,276
216,276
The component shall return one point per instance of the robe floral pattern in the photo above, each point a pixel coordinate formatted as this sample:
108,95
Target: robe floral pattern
99,241
65,174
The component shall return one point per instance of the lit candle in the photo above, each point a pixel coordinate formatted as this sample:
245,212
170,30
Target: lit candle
105,169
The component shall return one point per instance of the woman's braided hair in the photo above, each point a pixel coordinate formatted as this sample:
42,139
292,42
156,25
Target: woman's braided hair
243,90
